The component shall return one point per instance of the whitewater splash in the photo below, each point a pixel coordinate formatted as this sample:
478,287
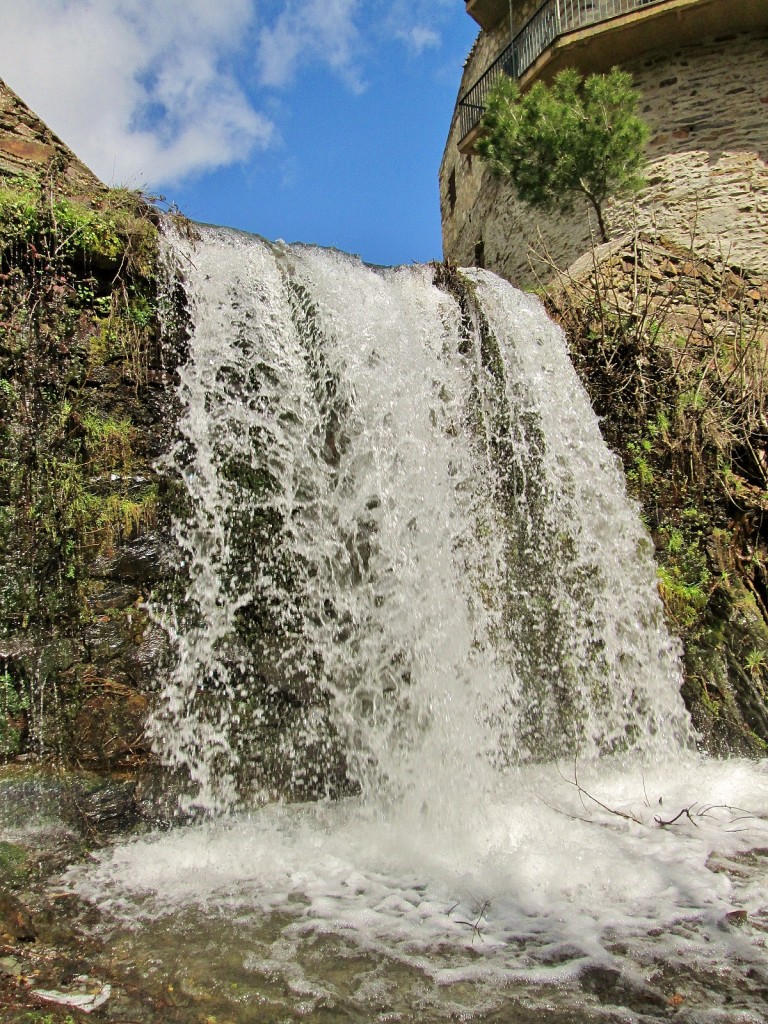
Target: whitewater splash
404,538
413,584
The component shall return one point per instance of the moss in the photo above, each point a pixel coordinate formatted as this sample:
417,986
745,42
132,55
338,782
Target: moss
40,1017
59,436
78,335
116,230
491,355
683,601
13,705
13,863
108,442
118,518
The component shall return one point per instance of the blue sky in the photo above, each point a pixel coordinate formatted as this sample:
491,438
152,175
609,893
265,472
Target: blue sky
318,121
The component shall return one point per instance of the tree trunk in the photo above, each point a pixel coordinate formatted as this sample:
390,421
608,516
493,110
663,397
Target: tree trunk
600,218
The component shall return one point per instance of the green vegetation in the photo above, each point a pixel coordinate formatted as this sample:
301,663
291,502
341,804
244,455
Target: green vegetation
13,863
672,349
78,332
12,705
576,138
42,1017
117,232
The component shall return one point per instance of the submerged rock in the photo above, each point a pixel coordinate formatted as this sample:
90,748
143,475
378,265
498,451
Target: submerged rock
16,919
84,993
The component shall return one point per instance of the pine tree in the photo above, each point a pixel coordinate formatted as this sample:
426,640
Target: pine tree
576,137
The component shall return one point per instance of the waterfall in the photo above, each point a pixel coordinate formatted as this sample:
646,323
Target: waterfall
408,554
421,690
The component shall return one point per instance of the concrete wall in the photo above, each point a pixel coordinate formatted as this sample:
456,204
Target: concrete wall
707,106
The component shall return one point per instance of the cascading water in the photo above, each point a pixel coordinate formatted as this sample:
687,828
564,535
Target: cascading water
415,592
406,543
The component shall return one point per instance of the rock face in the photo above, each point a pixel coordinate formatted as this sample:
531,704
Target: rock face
28,146
87,409
707,106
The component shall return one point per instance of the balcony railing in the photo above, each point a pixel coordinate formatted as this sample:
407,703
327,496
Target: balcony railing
553,19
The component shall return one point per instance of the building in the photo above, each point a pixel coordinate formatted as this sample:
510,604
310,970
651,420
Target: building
702,69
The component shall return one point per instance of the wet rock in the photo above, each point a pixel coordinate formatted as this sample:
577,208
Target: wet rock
12,966
110,725
110,804
612,987
734,919
15,919
44,660
158,794
51,813
141,562
110,595
56,657
32,800
147,651
108,637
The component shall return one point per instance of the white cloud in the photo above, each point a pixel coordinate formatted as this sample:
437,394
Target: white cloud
418,38
320,31
417,23
344,35
148,92
142,90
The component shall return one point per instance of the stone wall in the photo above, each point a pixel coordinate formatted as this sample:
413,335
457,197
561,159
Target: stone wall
28,146
707,106
522,11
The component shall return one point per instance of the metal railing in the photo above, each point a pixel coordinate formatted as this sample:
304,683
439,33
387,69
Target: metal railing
472,104
553,19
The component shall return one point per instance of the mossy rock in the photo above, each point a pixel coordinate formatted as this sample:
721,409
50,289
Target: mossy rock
86,411
726,686
13,865
683,403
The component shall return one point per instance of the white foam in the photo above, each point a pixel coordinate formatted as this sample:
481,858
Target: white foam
540,882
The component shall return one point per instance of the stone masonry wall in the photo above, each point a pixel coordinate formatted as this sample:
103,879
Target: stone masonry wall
707,106
28,146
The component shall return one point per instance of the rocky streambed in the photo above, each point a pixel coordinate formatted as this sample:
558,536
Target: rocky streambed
53,966
65,960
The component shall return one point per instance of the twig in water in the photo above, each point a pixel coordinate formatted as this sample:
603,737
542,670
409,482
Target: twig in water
685,811
475,926
559,810
583,793
645,792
